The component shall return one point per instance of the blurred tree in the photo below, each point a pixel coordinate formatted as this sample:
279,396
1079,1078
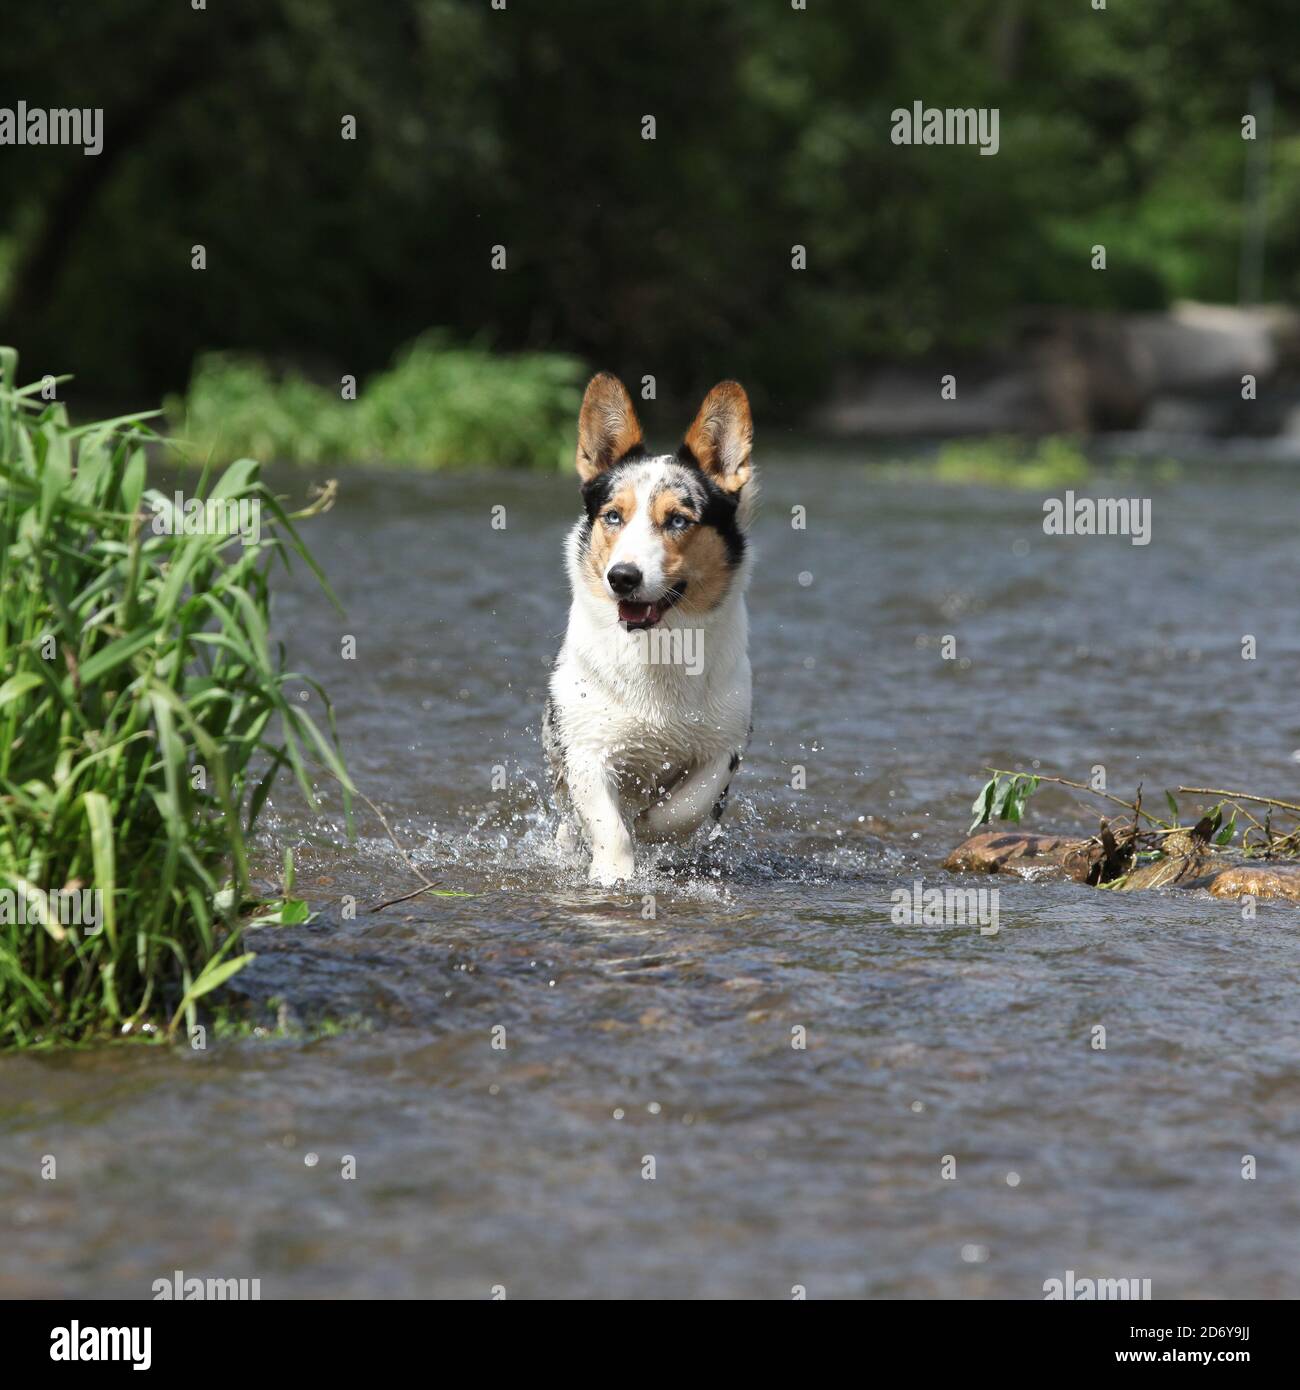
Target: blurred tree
523,128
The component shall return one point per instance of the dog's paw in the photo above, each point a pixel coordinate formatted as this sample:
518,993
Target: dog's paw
607,870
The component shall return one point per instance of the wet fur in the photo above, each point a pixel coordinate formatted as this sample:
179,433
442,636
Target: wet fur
639,750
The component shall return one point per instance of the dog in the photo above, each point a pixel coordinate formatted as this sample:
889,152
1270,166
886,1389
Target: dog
649,709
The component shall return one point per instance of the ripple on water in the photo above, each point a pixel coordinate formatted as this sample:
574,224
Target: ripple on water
797,1065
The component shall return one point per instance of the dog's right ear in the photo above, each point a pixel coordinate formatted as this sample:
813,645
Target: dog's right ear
607,426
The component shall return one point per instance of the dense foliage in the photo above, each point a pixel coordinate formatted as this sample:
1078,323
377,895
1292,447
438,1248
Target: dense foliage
144,713
438,405
522,127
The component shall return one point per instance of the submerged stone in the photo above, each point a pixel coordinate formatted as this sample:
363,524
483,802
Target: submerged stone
1016,852
1184,860
1259,880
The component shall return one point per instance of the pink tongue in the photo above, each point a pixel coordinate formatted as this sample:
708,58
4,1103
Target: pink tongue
636,612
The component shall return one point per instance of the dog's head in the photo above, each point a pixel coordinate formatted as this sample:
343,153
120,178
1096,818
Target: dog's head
662,531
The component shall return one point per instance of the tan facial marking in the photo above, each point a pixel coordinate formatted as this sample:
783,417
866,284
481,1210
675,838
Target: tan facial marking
700,557
665,503
604,537
697,555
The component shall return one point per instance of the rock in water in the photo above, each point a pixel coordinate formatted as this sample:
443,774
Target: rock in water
1002,852
1259,880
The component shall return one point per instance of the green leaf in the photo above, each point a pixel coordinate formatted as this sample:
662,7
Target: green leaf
18,686
100,818
283,912
213,976
109,658
133,481
982,806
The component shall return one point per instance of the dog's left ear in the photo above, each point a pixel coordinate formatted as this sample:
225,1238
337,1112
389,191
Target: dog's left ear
723,435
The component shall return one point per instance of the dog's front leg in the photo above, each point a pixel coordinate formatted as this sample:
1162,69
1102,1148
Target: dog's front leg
595,796
691,799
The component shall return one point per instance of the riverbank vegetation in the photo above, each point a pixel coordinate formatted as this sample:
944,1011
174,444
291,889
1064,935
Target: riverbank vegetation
437,406
145,712
1020,464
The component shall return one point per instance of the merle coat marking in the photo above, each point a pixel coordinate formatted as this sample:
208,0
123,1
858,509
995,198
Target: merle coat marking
649,708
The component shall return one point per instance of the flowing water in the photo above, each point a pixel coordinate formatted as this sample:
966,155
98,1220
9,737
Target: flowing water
630,1037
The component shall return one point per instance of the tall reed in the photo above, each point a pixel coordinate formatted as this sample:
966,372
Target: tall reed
144,714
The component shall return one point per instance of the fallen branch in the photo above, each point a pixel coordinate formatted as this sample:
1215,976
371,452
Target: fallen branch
1241,796
427,884
1005,800
1134,807
425,887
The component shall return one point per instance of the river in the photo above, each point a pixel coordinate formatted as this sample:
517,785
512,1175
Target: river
929,1050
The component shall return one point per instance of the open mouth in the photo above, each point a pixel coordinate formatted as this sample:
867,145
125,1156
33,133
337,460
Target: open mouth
639,616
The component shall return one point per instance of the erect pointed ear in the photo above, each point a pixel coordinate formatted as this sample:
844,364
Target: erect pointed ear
607,426
723,435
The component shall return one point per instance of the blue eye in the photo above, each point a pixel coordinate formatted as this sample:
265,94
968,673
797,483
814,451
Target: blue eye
611,517
678,522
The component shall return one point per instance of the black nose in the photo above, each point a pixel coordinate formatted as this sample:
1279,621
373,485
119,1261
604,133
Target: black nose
624,578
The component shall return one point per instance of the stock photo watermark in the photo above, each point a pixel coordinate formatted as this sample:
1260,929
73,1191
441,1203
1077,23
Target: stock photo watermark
951,125
1098,516
1073,1288
677,646
208,516
919,906
78,1343
183,1288
53,907
36,125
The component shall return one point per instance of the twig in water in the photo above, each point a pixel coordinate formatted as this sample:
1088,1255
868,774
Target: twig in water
1136,809
427,883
